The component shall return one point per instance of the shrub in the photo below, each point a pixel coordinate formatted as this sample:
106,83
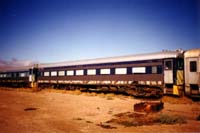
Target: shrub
167,119
78,118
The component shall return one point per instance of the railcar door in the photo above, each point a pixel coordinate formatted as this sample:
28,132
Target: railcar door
33,75
168,71
168,76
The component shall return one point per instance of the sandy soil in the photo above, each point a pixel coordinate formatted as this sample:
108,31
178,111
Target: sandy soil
44,111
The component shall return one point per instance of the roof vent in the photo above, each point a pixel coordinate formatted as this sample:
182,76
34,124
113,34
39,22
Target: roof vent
180,50
165,50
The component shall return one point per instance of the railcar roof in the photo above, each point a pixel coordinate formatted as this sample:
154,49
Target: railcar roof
137,57
16,69
192,53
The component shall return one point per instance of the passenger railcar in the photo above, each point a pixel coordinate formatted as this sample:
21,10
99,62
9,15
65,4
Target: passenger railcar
15,78
153,74
138,75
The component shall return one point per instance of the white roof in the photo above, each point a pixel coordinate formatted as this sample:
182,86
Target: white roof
15,69
138,57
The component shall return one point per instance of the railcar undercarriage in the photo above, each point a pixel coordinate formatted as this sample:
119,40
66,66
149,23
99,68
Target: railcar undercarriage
133,90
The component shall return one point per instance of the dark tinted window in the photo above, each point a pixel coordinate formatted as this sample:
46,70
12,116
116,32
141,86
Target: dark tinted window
159,69
180,64
112,71
97,71
85,71
148,70
168,65
193,66
129,70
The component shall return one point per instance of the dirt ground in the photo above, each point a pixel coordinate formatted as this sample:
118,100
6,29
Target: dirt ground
61,112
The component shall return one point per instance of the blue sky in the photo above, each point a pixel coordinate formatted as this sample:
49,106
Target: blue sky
61,30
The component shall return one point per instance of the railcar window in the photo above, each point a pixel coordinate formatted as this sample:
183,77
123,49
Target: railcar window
9,75
22,74
98,71
148,69
5,75
54,73
112,71
120,70
129,70
159,69
91,72
39,74
193,66
17,74
138,70
46,74
168,65
14,75
70,73
61,73
154,69
180,64
104,71
79,72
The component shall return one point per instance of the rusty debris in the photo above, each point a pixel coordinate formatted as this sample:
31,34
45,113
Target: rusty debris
148,106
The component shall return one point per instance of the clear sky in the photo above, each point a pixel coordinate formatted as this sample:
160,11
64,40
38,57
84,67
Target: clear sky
61,30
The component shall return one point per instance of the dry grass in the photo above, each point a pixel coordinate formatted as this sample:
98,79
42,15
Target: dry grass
110,96
25,89
137,119
90,93
123,97
53,90
101,95
78,118
170,119
106,126
177,100
196,108
17,89
128,119
88,121
74,92
30,109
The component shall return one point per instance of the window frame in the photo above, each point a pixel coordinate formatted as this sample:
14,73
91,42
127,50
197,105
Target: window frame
46,73
105,71
22,74
138,70
80,72
91,70
193,68
171,65
61,74
54,73
70,72
156,69
117,71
